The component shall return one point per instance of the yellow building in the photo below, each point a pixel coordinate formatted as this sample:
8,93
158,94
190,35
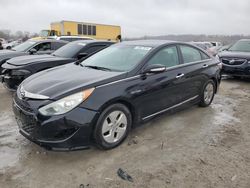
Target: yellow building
97,31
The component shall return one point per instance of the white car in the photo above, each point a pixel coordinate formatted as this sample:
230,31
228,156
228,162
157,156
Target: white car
11,44
71,38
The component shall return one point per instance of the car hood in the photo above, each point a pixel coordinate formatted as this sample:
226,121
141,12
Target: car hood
33,59
233,54
64,80
7,54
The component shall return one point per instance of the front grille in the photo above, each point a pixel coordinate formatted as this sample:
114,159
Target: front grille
22,104
233,61
26,122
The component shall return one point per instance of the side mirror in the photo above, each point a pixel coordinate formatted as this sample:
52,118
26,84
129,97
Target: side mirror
33,51
82,55
154,69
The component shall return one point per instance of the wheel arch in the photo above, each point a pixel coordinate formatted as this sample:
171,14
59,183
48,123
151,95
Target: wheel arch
126,103
216,83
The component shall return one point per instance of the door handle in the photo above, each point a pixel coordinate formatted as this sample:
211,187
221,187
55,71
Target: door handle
180,75
205,66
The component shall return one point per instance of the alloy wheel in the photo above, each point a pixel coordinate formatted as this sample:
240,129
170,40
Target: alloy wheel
114,126
208,93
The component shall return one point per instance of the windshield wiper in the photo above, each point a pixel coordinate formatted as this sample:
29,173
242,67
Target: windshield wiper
96,67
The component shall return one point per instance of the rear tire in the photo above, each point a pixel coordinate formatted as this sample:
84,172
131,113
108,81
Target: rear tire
112,126
207,94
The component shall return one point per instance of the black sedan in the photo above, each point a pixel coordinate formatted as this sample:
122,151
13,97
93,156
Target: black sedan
31,47
102,98
15,70
236,59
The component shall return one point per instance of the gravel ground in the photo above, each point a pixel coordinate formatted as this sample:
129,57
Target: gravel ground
196,147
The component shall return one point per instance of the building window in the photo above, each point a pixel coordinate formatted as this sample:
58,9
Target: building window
89,30
94,30
84,29
79,28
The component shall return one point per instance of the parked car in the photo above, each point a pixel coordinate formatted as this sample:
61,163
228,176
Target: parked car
205,46
216,44
103,97
236,59
31,47
12,44
15,70
3,41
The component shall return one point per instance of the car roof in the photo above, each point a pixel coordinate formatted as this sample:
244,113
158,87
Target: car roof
74,36
150,43
153,43
247,40
91,41
48,40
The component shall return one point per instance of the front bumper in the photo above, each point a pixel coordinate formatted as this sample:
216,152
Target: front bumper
11,82
71,131
236,70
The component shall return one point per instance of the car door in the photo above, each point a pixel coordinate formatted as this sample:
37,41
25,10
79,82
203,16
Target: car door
195,62
162,90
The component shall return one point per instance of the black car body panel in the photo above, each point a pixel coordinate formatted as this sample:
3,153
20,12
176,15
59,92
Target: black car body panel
8,54
146,95
36,63
235,63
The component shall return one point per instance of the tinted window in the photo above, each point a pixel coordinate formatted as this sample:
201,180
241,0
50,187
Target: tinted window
43,46
118,58
93,49
190,54
204,56
69,50
167,57
56,45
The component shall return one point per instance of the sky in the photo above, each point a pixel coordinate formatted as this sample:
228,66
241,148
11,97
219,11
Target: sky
136,17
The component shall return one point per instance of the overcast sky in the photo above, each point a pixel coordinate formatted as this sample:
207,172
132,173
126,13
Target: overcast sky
136,17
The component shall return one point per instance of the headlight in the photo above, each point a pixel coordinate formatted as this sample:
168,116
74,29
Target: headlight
66,104
19,72
249,62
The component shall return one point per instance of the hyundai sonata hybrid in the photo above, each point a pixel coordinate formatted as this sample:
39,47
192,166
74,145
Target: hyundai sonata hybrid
100,99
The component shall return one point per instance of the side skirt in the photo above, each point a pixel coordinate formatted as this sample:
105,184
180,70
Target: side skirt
170,108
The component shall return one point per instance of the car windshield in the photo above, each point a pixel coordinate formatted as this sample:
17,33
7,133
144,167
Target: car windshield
240,46
24,46
69,50
117,58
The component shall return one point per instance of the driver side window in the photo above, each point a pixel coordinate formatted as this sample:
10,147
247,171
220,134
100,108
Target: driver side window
167,56
43,46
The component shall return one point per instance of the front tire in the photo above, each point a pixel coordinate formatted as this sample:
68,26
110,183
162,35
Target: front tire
207,94
112,126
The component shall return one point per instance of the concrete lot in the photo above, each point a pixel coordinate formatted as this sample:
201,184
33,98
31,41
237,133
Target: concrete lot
197,147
